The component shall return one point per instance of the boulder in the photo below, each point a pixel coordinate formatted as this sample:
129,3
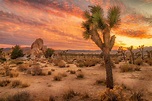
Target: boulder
37,49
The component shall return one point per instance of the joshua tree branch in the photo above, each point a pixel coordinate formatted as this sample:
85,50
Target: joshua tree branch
112,42
96,38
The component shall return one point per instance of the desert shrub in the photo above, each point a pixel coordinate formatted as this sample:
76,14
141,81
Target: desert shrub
2,72
139,62
63,74
87,62
49,72
4,83
52,70
91,62
80,63
69,94
55,61
16,61
2,60
136,96
28,71
150,62
79,70
57,77
7,70
85,95
116,61
36,70
72,71
16,52
129,68
51,98
13,74
24,85
79,75
20,96
16,83
19,62
115,94
61,63
49,52
100,82
43,74
23,67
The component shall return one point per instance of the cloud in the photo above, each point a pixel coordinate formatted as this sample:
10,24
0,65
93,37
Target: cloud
58,23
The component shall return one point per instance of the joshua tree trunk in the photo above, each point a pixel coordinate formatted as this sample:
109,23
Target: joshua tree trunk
108,65
133,59
106,48
132,54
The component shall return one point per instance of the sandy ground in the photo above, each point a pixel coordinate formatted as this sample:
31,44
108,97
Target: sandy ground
41,87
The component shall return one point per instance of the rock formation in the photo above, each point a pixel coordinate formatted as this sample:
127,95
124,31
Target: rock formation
38,49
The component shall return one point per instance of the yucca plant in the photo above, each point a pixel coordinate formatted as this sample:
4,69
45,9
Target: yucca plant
95,22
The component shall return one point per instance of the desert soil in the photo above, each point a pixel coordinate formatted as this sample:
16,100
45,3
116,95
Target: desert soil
41,87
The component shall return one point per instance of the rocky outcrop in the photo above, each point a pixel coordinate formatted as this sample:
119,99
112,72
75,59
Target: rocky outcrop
37,49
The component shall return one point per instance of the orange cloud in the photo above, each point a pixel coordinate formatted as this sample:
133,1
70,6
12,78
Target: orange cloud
59,23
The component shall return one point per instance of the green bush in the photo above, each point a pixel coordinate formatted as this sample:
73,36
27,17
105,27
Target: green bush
16,52
2,60
49,52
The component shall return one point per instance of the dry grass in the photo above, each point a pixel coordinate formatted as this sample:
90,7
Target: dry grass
85,95
116,61
137,96
18,83
138,62
23,67
20,96
150,62
36,70
13,74
100,82
52,70
51,98
7,70
4,83
115,94
16,61
63,74
57,77
79,75
49,72
72,71
88,62
129,68
69,94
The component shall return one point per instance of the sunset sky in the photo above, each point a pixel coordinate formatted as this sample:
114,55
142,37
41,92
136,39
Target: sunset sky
58,23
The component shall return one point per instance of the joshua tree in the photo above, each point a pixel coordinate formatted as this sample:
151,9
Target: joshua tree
132,54
141,49
122,52
96,23
149,54
1,51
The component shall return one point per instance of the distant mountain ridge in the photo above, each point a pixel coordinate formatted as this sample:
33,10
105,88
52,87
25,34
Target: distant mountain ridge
27,49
